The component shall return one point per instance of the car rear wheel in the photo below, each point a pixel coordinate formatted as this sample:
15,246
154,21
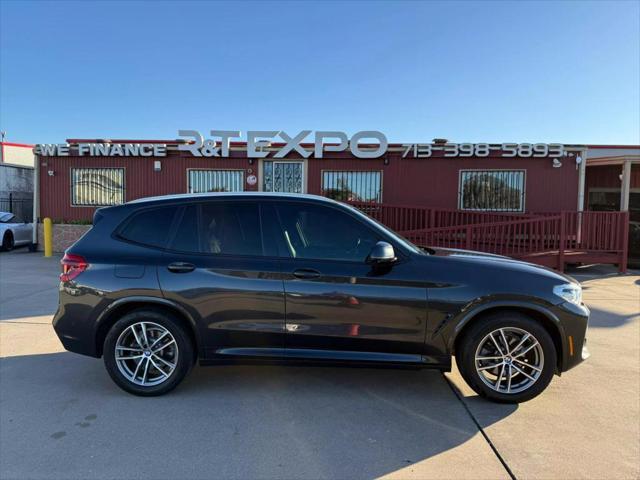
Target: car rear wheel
7,242
148,352
507,357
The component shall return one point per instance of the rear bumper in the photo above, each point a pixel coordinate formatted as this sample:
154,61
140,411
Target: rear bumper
77,345
74,329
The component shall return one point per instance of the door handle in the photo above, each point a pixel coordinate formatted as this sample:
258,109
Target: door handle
306,273
181,267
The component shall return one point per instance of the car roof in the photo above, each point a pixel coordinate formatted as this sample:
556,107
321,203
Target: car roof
253,195
5,216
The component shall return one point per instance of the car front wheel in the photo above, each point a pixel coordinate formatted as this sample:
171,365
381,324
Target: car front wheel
507,357
148,352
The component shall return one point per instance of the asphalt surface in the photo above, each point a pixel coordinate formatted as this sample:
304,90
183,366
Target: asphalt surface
62,417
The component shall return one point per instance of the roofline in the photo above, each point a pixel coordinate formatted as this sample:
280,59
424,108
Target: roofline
629,147
180,196
615,160
13,144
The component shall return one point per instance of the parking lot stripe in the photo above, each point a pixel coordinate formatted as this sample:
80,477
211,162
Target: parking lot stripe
480,429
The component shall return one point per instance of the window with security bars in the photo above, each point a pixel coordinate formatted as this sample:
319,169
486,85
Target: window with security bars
492,190
201,181
97,186
352,186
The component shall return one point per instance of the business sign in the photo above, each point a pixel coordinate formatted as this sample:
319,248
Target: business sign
258,141
103,150
425,150
218,145
279,144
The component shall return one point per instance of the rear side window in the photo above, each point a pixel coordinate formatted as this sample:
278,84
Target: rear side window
149,227
186,236
230,229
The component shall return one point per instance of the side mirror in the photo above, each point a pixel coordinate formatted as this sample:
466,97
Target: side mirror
382,253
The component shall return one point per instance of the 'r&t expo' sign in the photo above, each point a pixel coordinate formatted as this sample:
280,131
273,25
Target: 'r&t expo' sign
279,144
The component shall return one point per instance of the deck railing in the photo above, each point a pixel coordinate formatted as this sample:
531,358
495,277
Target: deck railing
599,236
407,217
511,238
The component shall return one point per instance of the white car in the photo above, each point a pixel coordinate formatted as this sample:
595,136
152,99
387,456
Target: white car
14,232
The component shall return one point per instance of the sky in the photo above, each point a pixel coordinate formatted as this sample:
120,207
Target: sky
566,72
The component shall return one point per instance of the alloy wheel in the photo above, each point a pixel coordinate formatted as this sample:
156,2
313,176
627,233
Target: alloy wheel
146,354
509,360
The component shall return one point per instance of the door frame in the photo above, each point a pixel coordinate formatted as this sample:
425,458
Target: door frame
303,161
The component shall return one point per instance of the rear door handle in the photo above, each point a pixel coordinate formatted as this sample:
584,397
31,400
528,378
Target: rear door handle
181,267
306,273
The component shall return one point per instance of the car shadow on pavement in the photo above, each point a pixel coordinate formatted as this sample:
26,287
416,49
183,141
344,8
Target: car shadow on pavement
600,318
229,422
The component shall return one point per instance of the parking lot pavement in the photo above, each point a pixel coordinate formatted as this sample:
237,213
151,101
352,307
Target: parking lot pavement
62,417
587,423
28,289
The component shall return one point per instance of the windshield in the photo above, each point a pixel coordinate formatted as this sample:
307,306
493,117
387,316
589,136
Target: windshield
6,217
401,240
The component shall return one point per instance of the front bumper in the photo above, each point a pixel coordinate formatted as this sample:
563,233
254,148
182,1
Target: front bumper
574,320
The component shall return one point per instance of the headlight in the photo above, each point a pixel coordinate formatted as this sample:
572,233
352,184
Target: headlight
571,292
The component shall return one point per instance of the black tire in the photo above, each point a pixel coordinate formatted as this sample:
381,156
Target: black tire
7,242
469,343
185,349
33,247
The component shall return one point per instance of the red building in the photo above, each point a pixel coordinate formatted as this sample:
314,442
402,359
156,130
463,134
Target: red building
612,184
520,200
72,186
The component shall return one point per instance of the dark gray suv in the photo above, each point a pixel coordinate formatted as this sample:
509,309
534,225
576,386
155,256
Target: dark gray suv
158,284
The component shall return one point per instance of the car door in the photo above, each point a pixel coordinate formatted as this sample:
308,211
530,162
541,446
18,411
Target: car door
221,268
337,305
22,231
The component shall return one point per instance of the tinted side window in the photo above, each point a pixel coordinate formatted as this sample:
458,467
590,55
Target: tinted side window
149,227
186,236
271,233
230,229
312,231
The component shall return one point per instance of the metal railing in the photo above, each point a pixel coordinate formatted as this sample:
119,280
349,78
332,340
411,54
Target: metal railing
588,237
20,207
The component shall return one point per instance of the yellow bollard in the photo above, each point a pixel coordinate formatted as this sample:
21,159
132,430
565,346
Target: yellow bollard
48,237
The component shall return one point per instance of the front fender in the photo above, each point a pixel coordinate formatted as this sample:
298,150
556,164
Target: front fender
467,315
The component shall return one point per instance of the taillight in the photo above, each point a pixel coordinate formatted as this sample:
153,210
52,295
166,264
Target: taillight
72,266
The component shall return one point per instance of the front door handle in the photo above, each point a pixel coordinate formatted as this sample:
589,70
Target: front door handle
306,273
181,267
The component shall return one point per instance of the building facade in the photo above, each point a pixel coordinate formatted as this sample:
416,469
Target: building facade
16,154
612,183
73,185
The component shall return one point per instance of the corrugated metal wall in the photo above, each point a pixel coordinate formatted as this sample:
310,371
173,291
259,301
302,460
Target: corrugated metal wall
140,179
434,182
430,182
